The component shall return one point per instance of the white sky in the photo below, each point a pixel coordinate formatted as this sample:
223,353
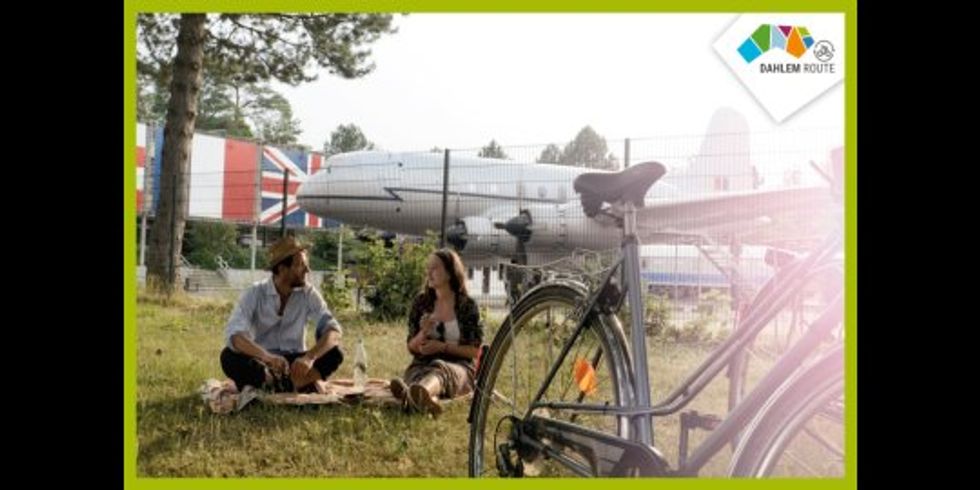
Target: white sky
458,80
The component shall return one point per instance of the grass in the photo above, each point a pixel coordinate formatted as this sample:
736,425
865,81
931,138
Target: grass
179,340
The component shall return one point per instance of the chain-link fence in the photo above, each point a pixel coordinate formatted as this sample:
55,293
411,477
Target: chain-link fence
507,209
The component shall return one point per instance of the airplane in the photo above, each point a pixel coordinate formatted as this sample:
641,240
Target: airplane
500,211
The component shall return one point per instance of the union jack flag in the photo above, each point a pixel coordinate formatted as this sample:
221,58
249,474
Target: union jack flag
276,163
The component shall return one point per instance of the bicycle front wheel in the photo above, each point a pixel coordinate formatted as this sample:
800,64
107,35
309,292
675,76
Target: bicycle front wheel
528,344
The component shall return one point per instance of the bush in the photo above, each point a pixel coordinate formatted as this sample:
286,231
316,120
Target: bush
336,292
699,330
392,275
713,303
693,332
658,315
206,241
324,247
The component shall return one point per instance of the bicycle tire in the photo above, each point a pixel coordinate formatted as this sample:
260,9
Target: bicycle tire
604,328
778,425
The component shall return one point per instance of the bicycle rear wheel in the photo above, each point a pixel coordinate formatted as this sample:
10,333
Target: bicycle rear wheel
526,346
802,301
800,431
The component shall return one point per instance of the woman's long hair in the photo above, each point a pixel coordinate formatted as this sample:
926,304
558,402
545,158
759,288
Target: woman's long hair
457,276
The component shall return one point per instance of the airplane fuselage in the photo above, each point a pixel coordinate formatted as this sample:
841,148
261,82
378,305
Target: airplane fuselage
403,193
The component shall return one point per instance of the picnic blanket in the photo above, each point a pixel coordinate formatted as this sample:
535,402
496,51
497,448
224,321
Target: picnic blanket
221,396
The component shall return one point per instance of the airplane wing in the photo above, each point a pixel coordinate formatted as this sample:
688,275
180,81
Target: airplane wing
733,212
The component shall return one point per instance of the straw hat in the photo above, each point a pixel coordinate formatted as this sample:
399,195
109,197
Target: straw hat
283,249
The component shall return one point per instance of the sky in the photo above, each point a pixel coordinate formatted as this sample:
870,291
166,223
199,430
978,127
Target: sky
460,80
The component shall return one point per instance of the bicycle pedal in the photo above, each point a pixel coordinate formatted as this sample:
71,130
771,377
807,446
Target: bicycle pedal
505,467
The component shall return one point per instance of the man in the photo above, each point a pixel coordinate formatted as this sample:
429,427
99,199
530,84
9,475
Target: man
266,342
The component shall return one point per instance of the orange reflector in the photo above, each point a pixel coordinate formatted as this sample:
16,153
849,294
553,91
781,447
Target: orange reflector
585,376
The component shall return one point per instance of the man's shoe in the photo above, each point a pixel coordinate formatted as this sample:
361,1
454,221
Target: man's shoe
399,389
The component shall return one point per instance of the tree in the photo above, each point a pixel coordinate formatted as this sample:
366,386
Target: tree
151,101
551,154
246,110
248,47
493,150
220,107
588,149
346,138
232,107
273,118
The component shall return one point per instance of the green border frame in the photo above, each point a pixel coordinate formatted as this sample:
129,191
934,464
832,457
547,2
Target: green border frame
849,8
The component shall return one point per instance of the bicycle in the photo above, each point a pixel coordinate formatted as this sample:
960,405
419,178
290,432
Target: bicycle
535,421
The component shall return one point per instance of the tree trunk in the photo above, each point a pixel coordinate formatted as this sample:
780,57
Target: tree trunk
172,210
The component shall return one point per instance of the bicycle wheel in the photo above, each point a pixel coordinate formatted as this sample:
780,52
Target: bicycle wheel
786,308
524,349
800,431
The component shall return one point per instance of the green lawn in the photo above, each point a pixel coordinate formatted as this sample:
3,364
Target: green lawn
178,345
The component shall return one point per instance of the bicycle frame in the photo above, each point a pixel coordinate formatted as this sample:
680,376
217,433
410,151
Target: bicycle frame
638,406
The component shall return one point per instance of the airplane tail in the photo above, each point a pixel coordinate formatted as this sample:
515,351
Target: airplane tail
723,162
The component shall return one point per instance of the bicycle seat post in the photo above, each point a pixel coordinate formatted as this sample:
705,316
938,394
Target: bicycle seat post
629,220
631,253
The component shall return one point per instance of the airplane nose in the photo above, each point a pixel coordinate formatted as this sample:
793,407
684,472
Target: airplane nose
312,196
302,194
306,188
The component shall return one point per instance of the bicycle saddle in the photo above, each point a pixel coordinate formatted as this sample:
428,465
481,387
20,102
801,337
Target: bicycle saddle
628,185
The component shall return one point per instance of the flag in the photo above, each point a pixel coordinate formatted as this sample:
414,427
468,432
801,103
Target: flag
222,179
276,164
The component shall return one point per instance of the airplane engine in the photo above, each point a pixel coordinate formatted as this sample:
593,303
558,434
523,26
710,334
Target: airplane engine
562,228
477,235
552,230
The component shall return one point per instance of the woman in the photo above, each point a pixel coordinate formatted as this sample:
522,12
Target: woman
444,337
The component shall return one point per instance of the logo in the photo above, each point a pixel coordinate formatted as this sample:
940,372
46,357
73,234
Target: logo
785,60
824,51
795,40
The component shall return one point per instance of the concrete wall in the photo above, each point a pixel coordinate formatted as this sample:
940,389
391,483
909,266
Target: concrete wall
238,279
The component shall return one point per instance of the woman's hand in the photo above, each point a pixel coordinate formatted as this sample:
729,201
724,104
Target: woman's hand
430,347
415,342
427,323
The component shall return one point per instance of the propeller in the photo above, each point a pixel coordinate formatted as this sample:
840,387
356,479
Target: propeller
456,235
519,227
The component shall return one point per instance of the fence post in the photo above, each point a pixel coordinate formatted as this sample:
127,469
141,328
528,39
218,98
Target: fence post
340,249
285,194
626,154
445,195
257,208
150,146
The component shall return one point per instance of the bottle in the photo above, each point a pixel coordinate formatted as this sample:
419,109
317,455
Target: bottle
360,366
